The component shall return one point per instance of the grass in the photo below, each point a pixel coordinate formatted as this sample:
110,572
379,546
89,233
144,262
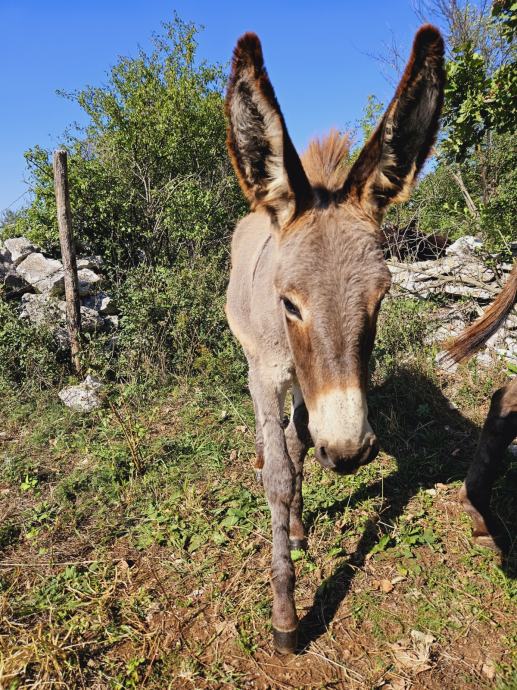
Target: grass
135,545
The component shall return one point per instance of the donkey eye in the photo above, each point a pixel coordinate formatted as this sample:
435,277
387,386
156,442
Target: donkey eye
291,308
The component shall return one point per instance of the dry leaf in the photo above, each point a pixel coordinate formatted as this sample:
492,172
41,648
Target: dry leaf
233,455
386,586
414,654
396,684
488,669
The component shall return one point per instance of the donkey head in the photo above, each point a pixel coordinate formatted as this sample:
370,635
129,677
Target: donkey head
330,272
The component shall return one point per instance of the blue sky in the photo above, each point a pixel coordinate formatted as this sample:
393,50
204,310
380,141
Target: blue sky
319,57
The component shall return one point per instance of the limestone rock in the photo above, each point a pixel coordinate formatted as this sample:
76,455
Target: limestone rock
19,248
44,310
88,281
90,319
460,290
83,397
101,302
465,246
41,310
92,262
14,282
111,322
45,275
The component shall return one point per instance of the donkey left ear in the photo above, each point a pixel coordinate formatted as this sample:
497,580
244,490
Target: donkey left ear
388,164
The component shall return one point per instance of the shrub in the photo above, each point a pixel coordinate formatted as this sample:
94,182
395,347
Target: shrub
173,320
28,355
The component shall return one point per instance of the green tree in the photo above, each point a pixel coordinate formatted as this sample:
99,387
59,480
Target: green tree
150,180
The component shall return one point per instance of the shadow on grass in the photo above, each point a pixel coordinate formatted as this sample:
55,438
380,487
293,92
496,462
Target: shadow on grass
416,425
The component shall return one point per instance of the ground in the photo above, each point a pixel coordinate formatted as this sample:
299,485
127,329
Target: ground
135,546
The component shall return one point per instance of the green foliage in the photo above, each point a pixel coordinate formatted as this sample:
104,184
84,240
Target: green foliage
401,328
476,102
372,112
28,354
172,319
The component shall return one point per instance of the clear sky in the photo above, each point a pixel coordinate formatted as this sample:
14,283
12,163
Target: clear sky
318,53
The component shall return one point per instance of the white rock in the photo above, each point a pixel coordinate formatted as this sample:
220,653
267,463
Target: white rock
19,248
511,322
102,302
444,331
445,363
111,322
462,290
465,246
45,275
41,310
93,262
485,358
88,281
83,397
5,258
90,319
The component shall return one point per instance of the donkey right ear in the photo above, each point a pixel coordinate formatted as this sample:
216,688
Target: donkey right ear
266,163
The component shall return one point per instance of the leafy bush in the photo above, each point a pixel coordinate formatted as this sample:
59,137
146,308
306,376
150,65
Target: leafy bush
173,320
28,355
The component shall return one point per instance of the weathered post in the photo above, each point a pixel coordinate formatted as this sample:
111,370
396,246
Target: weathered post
64,219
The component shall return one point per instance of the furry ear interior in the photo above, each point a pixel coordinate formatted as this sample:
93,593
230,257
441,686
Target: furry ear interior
266,163
386,169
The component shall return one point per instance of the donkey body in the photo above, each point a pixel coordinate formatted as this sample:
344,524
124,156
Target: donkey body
500,427
308,277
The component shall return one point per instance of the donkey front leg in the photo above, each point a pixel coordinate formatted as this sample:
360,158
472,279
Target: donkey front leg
298,440
499,430
278,477
259,443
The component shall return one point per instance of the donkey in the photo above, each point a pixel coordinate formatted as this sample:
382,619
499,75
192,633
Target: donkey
308,277
500,427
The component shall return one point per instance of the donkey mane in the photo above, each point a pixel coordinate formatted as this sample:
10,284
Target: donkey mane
326,161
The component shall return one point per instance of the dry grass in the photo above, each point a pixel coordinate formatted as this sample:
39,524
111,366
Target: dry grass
153,573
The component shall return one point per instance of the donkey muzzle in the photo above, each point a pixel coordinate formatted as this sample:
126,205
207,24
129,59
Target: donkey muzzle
344,439
347,458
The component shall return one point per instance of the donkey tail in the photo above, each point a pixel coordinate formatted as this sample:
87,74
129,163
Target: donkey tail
475,336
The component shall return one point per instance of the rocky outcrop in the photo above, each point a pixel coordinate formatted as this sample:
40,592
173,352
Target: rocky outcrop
17,249
468,285
26,274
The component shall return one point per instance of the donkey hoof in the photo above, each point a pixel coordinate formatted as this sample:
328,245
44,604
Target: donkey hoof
285,642
296,544
258,476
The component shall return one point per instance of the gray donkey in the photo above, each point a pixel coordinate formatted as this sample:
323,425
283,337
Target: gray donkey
308,277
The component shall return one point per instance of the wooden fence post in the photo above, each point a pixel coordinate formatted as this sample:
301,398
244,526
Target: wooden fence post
64,219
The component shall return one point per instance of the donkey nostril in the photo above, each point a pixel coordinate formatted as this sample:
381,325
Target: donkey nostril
322,452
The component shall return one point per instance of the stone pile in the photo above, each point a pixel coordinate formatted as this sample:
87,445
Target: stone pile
37,281
468,286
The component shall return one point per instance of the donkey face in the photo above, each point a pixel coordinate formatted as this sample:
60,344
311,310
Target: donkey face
330,273
330,280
